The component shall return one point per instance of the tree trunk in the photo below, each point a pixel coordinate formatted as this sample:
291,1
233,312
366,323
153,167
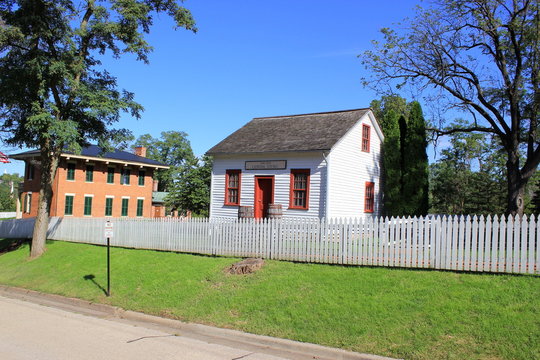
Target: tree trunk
516,186
49,165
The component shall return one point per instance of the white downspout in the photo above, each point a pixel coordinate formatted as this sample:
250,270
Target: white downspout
327,200
212,180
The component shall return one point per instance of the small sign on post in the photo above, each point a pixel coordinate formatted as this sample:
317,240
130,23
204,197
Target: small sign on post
109,230
109,233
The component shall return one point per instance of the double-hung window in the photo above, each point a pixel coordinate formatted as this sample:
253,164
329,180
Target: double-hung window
70,171
108,206
365,137
126,173
233,180
140,207
142,174
110,175
299,193
369,197
88,205
89,173
68,209
125,206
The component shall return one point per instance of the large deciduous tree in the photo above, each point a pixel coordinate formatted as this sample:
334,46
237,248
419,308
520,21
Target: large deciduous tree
54,92
482,56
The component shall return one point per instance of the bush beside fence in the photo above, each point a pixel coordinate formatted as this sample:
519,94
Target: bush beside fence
498,244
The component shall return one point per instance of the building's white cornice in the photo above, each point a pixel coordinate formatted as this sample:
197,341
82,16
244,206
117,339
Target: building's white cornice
95,158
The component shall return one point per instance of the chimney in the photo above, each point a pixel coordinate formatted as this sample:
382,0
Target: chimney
155,185
140,151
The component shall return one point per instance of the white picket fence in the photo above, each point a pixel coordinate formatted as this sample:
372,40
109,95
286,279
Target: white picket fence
7,214
498,244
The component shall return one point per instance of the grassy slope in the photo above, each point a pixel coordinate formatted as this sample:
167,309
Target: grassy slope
402,313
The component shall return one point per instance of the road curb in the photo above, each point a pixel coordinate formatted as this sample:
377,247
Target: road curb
257,343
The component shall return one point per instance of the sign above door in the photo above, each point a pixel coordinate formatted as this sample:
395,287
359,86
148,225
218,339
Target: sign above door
266,165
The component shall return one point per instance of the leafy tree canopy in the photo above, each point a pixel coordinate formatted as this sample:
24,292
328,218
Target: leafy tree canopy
173,149
188,179
479,56
9,184
191,189
470,177
54,91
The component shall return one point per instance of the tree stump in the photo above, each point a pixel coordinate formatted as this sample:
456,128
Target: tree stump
246,266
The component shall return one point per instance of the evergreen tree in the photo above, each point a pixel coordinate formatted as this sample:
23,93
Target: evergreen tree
404,159
534,205
392,164
415,163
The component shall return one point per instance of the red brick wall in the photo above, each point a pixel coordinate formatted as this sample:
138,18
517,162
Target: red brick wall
99,188
30,187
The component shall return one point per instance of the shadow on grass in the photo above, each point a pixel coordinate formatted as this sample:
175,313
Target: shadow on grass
8,245
414,269
92,277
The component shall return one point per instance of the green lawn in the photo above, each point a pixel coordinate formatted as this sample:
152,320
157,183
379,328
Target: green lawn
411,314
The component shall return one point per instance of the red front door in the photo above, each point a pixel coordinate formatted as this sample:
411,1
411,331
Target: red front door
264,195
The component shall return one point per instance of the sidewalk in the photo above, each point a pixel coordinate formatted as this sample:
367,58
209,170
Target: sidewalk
283,348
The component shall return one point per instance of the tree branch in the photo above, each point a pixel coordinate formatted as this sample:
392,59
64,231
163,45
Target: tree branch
440,132
83,50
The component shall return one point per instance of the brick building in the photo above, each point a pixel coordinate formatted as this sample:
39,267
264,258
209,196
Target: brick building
92,184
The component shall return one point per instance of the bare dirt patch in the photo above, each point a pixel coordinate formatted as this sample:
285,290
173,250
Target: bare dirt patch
246,266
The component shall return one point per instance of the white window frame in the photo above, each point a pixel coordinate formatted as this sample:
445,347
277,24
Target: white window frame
108,197
84,205
72,205
74,170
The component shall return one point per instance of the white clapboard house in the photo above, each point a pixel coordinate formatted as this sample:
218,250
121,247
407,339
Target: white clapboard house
321,165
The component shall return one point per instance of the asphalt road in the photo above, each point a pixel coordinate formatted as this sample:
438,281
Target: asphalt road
32,331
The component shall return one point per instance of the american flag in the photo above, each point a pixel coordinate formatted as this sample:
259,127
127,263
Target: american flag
3,158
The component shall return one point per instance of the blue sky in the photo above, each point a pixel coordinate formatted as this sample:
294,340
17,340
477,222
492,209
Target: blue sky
250,59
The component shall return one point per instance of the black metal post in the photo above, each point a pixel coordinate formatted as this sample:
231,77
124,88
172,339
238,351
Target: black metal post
108,266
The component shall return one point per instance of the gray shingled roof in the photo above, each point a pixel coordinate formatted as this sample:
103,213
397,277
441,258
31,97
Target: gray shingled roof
307,132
